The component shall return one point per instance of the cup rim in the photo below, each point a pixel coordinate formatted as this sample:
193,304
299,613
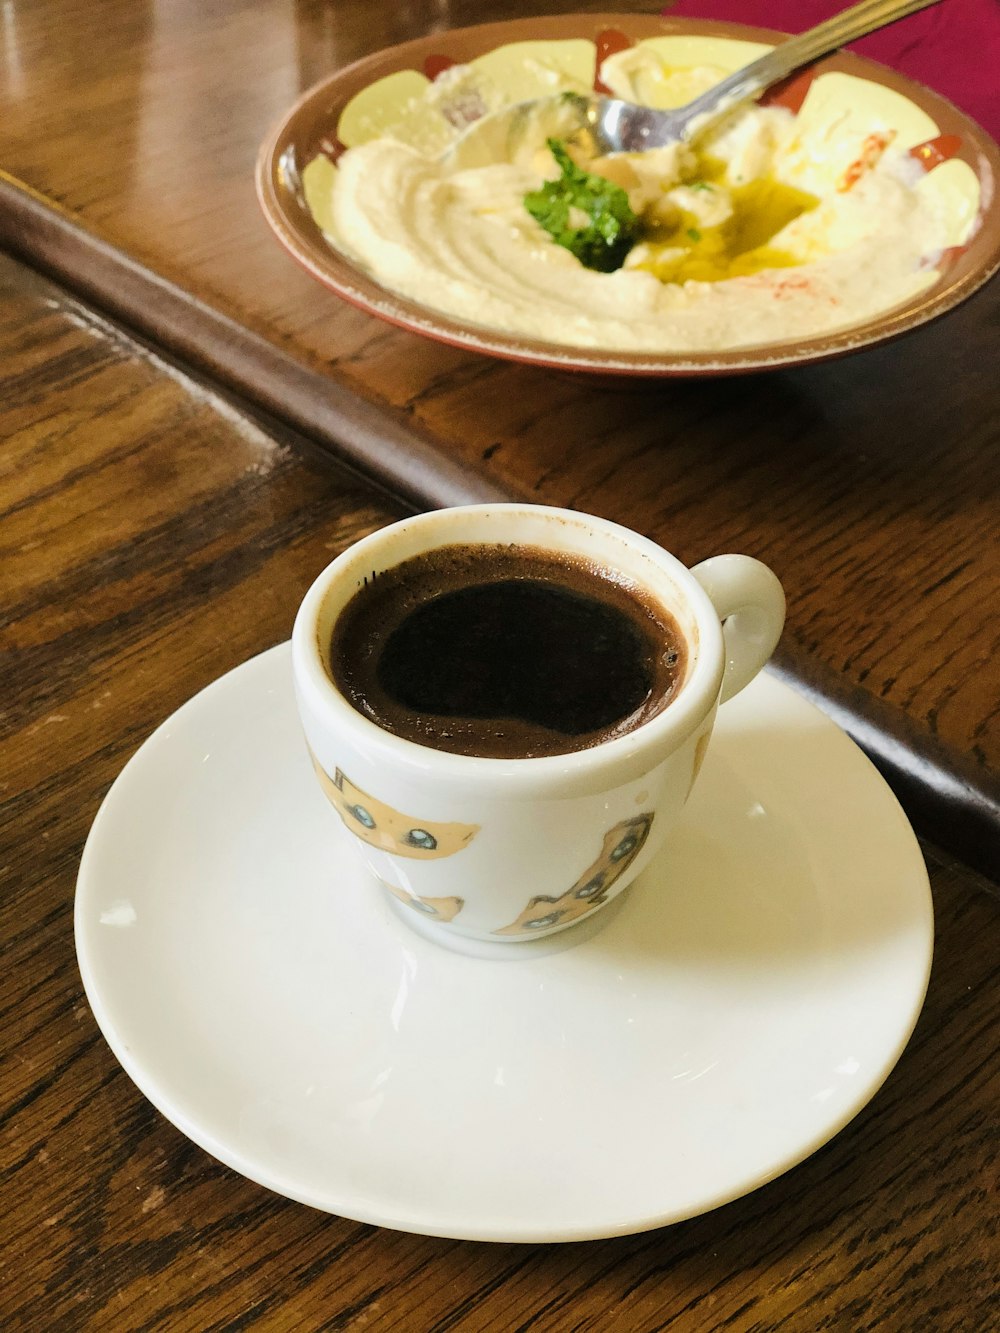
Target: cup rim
681,717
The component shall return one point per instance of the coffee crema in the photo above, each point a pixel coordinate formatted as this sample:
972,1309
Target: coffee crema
505,651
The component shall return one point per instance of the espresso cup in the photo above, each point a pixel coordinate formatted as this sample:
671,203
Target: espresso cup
509,850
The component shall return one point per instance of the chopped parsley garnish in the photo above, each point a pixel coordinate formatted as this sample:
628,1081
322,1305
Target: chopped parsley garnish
601,241
693,234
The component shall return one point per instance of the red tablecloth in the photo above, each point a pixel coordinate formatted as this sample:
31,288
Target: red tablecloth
953,47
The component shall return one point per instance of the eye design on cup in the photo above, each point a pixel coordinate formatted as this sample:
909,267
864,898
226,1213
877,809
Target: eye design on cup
418,837
626,845
380,825
591,888
619,849
540,922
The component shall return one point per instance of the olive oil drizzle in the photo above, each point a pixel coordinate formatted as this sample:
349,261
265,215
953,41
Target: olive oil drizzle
687,250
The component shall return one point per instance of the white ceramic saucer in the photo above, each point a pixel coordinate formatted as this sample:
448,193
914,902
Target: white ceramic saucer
748,999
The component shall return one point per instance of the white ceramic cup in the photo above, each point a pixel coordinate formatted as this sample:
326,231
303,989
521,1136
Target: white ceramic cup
512,850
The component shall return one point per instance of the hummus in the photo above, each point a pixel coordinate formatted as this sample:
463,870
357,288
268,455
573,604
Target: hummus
779,228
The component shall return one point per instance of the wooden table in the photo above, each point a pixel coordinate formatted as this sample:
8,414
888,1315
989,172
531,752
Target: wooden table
153,538
167,501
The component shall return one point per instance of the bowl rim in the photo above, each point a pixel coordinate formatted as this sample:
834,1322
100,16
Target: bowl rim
296,137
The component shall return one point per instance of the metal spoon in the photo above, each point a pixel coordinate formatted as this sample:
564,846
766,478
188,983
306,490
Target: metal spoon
623,127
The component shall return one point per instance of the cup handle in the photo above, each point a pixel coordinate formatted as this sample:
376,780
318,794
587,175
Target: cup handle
751,605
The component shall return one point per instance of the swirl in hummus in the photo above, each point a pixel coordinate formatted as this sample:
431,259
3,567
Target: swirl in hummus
769,233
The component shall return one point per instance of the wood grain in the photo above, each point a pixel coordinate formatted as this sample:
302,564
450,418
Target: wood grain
152,538
870,484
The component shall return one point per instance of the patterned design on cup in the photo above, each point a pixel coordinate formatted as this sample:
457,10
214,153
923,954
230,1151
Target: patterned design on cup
389,830
622,845
435,909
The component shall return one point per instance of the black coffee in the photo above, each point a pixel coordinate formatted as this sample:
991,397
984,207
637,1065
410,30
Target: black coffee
505,651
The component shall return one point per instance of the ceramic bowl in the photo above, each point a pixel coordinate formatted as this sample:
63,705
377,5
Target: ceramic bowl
310,129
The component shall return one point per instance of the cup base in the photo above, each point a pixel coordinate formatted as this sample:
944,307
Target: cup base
508,951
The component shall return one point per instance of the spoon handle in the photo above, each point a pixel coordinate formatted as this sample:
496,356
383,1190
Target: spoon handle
799,51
